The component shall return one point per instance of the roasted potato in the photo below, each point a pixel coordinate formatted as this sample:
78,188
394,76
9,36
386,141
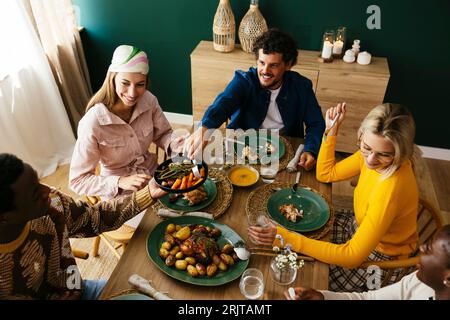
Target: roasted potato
177,227
228,248
216,259
201,269
190,260
166,245
175,250
168,238
170,260
215,233
181,264
192,271
183,233
235,257
227,259
170,228
222,266
163,253
186,249
179,255
211,270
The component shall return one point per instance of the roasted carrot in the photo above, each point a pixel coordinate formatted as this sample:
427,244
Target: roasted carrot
202,172
198,181
184,183
176,184
190,179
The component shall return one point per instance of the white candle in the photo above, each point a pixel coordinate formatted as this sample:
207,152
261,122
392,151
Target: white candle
364,58
327,49
337,47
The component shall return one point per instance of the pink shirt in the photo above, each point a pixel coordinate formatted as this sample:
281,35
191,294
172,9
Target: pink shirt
120,147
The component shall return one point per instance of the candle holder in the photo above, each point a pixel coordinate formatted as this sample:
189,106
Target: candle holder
326,53
339,44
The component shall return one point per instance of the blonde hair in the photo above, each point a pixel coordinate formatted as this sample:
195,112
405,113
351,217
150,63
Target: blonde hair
106,94
395,123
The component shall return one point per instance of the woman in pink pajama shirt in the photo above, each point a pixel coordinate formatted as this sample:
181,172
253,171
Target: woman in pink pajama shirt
122,119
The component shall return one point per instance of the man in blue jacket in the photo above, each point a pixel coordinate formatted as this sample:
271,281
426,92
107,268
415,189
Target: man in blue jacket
269,97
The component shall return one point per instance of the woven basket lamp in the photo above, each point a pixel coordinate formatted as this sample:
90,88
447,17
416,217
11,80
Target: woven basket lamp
224,27
252,26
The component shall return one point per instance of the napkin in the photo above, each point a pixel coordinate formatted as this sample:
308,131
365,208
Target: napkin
292,165
144,286
166,213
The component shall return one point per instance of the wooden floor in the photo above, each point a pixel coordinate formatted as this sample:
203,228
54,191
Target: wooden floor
433,177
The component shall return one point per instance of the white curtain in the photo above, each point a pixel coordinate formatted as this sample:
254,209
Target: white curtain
33,122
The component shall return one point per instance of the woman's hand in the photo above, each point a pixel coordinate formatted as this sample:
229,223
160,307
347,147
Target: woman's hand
307,161
155,191
263,235
332,126
134,182
304,294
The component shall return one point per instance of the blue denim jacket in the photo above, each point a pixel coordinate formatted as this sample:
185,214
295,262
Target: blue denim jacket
246,103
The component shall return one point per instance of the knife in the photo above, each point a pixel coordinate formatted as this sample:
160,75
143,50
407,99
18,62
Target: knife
299,174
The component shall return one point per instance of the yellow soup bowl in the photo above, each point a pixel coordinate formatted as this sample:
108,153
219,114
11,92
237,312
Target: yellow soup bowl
243,175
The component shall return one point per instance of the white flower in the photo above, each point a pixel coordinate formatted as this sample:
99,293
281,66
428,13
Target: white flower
287,258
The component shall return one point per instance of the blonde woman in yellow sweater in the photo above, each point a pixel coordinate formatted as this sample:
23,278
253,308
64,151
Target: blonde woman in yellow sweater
383,226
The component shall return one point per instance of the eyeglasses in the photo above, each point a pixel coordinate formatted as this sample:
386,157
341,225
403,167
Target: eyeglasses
381,156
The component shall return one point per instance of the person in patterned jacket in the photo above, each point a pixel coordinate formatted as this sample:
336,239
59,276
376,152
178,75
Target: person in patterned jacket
36,221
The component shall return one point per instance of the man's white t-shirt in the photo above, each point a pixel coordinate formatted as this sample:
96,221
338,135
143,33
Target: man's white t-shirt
273,118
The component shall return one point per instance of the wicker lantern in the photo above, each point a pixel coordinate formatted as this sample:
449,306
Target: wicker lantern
224,27
252,26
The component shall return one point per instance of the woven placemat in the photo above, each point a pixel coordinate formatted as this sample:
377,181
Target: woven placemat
257,205
222,200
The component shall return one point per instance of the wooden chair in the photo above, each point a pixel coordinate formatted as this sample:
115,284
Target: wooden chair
428,221
119,238
80,254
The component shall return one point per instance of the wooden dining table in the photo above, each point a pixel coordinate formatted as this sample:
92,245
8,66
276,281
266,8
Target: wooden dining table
135,259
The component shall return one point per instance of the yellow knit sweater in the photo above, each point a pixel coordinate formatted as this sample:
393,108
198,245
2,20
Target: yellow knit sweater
385,211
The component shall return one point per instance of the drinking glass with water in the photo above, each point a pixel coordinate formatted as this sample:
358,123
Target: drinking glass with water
252,284
268,174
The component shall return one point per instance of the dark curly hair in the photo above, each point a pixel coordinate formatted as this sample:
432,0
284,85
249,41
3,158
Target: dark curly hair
276,41
11,168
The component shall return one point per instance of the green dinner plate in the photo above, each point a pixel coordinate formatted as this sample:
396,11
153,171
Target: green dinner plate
155,239
315,209
132,296
252,139
182,204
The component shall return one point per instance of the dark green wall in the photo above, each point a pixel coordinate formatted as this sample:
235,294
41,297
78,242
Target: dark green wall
414,37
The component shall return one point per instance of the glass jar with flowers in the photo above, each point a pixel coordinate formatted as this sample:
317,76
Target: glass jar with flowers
283,268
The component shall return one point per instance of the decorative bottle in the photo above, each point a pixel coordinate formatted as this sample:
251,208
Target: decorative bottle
252,26
224,27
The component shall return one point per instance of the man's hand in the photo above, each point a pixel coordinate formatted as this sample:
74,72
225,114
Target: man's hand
307,161
304,294
196,142
134,182
155,191
177,144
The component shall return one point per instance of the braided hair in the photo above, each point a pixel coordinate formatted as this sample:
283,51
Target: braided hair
11,168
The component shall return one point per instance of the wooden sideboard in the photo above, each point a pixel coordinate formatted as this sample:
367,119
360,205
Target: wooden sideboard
361,87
